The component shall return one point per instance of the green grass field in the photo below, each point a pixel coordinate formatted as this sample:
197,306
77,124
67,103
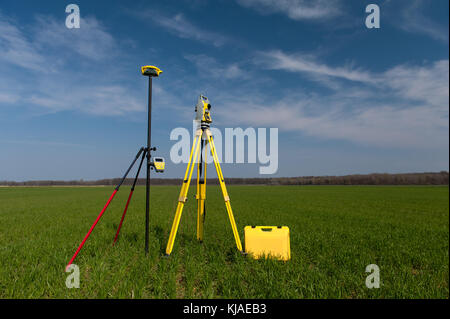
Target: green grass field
336,231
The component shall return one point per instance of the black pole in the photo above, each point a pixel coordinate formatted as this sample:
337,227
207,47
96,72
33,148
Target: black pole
149,128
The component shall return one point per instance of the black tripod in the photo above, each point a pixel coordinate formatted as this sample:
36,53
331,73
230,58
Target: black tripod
157,164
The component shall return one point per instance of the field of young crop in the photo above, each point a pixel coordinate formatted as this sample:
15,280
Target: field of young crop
336,231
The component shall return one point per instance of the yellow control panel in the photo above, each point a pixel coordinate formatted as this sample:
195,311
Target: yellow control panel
159,164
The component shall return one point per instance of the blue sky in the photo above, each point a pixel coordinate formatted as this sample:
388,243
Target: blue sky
346,99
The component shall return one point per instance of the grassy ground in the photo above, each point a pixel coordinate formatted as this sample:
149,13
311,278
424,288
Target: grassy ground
336,231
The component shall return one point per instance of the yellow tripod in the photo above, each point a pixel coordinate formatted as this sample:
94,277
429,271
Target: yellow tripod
203,134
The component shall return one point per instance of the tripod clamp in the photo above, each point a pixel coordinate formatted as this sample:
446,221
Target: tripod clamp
156,163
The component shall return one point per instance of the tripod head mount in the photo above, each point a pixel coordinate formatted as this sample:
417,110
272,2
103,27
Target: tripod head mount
156,162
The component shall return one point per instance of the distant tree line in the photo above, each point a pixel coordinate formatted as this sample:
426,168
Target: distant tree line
440,178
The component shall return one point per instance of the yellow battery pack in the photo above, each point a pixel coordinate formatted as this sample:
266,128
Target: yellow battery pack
267,241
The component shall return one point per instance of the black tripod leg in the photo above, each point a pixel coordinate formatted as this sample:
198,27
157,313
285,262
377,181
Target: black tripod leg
131,166
104,208
129,196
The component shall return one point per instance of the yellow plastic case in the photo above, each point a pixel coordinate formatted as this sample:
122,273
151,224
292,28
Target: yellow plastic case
267,241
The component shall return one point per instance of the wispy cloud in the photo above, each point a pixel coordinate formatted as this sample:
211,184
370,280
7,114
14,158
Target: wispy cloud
98,100
413,20
91,41
296,9
46,51
6,98
279,60
16,48
405,106
181,27
370,123
426,83
209,67
45,143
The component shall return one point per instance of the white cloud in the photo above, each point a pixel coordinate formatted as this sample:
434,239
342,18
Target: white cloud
98,100
45,50
371,124
182,28
209,67
413,20
404,107
32,48
427,83
296,9
91,40
44,143
15,47
7,98
278,60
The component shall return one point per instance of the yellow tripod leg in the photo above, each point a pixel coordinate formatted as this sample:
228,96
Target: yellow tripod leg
224,191
201,196
183,193
197,195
